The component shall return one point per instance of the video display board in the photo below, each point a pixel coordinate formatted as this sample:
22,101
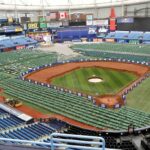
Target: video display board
138,24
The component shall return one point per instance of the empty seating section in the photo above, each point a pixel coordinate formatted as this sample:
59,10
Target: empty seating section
2,111
15,128
7,43
4,76
121,34
33,131
110,35
117,56
21,61
13,57
146,37
23,41
7,121
74,107
132,35
10,43
109,50
135,35
112,47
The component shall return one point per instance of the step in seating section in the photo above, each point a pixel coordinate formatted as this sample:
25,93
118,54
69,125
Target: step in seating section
84,111
9,121
28,132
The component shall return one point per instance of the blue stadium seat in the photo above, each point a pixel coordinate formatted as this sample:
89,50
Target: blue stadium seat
135,35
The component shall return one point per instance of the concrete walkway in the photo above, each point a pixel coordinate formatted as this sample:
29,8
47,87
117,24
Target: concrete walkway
60,48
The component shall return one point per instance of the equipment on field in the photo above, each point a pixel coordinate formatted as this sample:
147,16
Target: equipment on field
13,102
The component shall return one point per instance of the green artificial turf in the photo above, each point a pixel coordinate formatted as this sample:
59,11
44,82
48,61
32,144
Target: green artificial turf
77,80
38,108
139,98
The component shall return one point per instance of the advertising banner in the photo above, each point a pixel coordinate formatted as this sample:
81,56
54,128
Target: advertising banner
32,25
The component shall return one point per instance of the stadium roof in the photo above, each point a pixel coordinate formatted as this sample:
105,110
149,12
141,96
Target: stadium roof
61,4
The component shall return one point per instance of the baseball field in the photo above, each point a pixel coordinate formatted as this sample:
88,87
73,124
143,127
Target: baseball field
139,98
111,81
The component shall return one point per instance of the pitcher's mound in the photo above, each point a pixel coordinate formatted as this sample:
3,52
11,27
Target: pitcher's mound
95,79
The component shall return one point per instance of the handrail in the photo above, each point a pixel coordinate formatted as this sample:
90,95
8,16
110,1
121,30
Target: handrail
57,137
56,141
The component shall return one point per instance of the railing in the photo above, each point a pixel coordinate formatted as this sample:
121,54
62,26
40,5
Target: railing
95,143
59,140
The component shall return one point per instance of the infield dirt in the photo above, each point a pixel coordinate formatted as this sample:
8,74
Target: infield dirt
47,74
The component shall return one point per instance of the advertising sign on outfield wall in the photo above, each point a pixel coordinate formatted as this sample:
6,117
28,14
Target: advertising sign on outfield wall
110,40
20,47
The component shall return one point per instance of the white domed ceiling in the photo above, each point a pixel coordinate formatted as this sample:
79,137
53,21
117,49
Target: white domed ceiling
61,4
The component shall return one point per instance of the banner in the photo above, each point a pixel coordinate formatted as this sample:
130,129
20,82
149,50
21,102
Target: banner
78,17
42,19
89,22
92,30
43,25
18,29
25,19
112,24
63,15
10,19
20,47
125,20
89,17
33,25
52,15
